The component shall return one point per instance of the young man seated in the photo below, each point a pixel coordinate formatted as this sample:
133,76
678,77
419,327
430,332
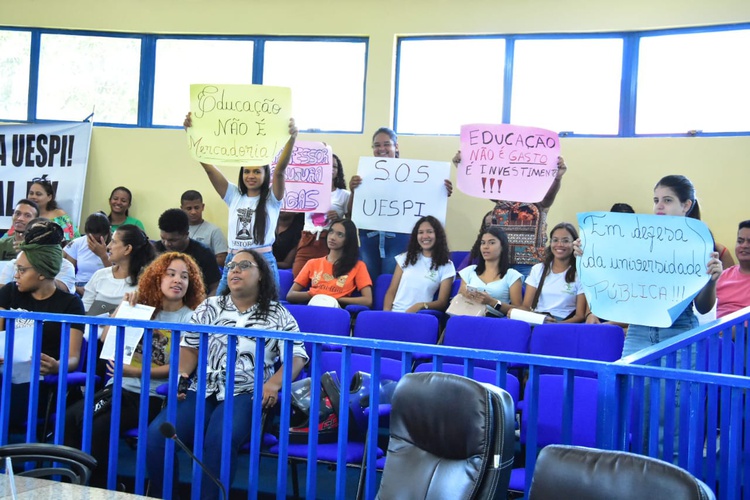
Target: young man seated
201,230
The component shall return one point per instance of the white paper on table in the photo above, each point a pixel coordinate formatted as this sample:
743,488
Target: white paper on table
23,344
132,335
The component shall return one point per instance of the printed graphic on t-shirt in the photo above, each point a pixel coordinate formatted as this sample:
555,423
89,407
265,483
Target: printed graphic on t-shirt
159,353
244,224
320,276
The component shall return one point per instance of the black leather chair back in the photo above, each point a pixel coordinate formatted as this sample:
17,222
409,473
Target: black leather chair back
451,437
591,474
52,460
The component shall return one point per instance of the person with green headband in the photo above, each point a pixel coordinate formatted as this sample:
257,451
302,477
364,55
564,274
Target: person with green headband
34,290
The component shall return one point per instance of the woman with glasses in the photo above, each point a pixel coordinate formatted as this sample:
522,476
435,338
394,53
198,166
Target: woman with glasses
42,192
254,204
249,301
34,290
492,281
553,287
378,249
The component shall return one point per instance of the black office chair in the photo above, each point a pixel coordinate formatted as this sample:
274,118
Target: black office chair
451,437
52,460
592,474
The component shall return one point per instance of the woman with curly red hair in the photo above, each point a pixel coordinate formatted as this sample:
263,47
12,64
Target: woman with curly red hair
173,285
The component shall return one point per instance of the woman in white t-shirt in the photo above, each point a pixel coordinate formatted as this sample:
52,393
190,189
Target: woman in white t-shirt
424,269
254,205
553,287
313,243
492,281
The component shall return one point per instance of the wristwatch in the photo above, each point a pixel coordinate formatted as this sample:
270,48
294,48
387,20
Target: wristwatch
497,306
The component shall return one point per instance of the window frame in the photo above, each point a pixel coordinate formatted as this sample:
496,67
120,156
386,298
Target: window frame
148,68
628,87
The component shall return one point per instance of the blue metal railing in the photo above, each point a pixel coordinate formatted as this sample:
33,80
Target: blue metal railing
706,408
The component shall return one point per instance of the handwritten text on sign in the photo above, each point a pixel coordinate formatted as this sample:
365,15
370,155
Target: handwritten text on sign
396,192
238,125
308,178
642,269
507,162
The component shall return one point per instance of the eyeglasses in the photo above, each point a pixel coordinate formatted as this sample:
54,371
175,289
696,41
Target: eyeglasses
41,180
19,270
244,265
563,241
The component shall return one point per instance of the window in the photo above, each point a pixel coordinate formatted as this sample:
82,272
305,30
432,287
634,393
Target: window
80,73
443,84
181,62
326,78
14,78
693,81
570,85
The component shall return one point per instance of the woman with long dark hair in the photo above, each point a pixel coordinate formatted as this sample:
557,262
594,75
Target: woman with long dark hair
424,269
42,192
88,253
553,287
173,285
120,201
249,302
313,242
336,275
492,281
254,204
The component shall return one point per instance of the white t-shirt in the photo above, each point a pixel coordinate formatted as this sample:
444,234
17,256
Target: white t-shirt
418,282
104,287
558,297
87,261
242,218
316,222
210,235
498,289
67,274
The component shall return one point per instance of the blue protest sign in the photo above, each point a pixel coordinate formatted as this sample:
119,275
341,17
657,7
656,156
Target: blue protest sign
642,269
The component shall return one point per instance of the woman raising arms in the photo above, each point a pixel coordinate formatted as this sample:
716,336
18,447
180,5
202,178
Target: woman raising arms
425,268
254,204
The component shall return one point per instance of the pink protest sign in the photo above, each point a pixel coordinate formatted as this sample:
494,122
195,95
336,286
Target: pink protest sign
308,178
507,162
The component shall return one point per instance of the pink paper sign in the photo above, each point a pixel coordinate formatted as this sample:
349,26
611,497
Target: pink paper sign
308,178
507,162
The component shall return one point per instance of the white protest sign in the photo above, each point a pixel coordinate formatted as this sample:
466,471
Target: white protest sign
396,192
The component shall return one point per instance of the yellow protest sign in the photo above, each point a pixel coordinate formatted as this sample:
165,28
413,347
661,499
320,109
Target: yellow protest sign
238,125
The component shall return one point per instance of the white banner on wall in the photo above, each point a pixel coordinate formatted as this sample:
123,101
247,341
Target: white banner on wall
60,150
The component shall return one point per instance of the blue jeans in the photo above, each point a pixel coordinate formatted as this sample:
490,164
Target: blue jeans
185,426
270,259
378,250
639,336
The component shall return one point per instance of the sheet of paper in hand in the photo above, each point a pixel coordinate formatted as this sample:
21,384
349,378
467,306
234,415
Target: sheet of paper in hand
642,269
133,335
507,162
238,125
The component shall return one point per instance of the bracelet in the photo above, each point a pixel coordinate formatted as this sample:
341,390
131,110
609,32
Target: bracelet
425,305
587,315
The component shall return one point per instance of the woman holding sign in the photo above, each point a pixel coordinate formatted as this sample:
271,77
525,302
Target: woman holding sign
378,249
254,204
173,285
673,195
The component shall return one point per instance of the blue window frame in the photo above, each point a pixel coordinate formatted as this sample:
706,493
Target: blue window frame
133,80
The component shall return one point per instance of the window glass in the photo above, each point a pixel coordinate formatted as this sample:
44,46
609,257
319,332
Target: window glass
694,81
327,81
80,73
14,77
568,85
180,63
443,84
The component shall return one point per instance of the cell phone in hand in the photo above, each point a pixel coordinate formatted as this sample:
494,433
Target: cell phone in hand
182,385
